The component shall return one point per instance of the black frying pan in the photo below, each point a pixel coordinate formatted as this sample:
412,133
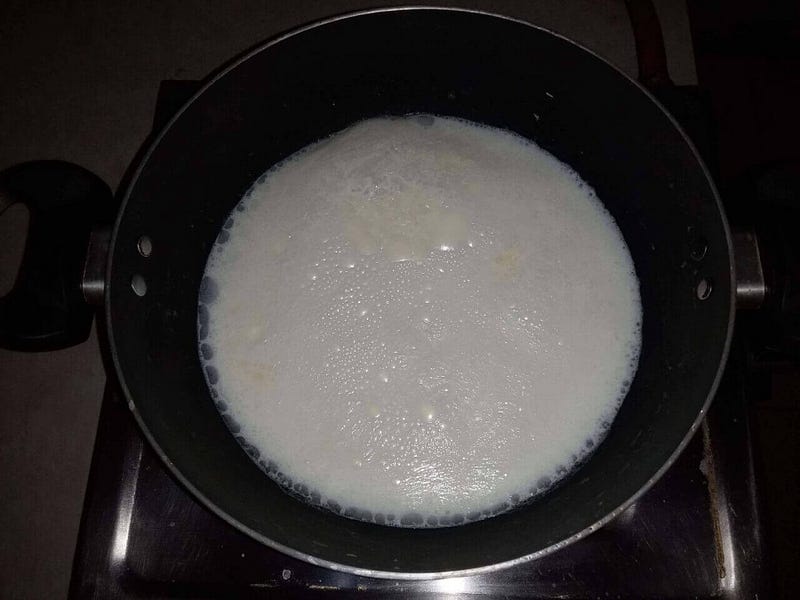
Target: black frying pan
316,81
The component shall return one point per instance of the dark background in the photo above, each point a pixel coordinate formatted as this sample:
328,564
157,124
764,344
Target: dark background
748,63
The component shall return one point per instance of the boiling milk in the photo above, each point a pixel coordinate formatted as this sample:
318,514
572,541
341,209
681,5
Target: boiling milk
419,321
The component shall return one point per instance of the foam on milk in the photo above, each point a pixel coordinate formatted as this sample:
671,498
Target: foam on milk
419,321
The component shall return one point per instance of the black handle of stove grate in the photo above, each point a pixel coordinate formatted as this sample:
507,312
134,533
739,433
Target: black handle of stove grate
650,52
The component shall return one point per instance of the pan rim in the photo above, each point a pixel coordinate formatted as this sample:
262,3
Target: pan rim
376,573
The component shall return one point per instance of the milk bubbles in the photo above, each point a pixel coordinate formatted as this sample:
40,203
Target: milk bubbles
419,321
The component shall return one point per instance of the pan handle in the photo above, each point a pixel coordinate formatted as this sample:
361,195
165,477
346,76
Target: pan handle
46,310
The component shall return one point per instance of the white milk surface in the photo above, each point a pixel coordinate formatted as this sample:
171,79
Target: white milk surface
419,321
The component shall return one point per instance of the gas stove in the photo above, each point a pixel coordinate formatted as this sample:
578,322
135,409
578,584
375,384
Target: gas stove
697,533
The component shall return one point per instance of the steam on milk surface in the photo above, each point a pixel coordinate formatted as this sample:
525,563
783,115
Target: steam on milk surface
419,321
